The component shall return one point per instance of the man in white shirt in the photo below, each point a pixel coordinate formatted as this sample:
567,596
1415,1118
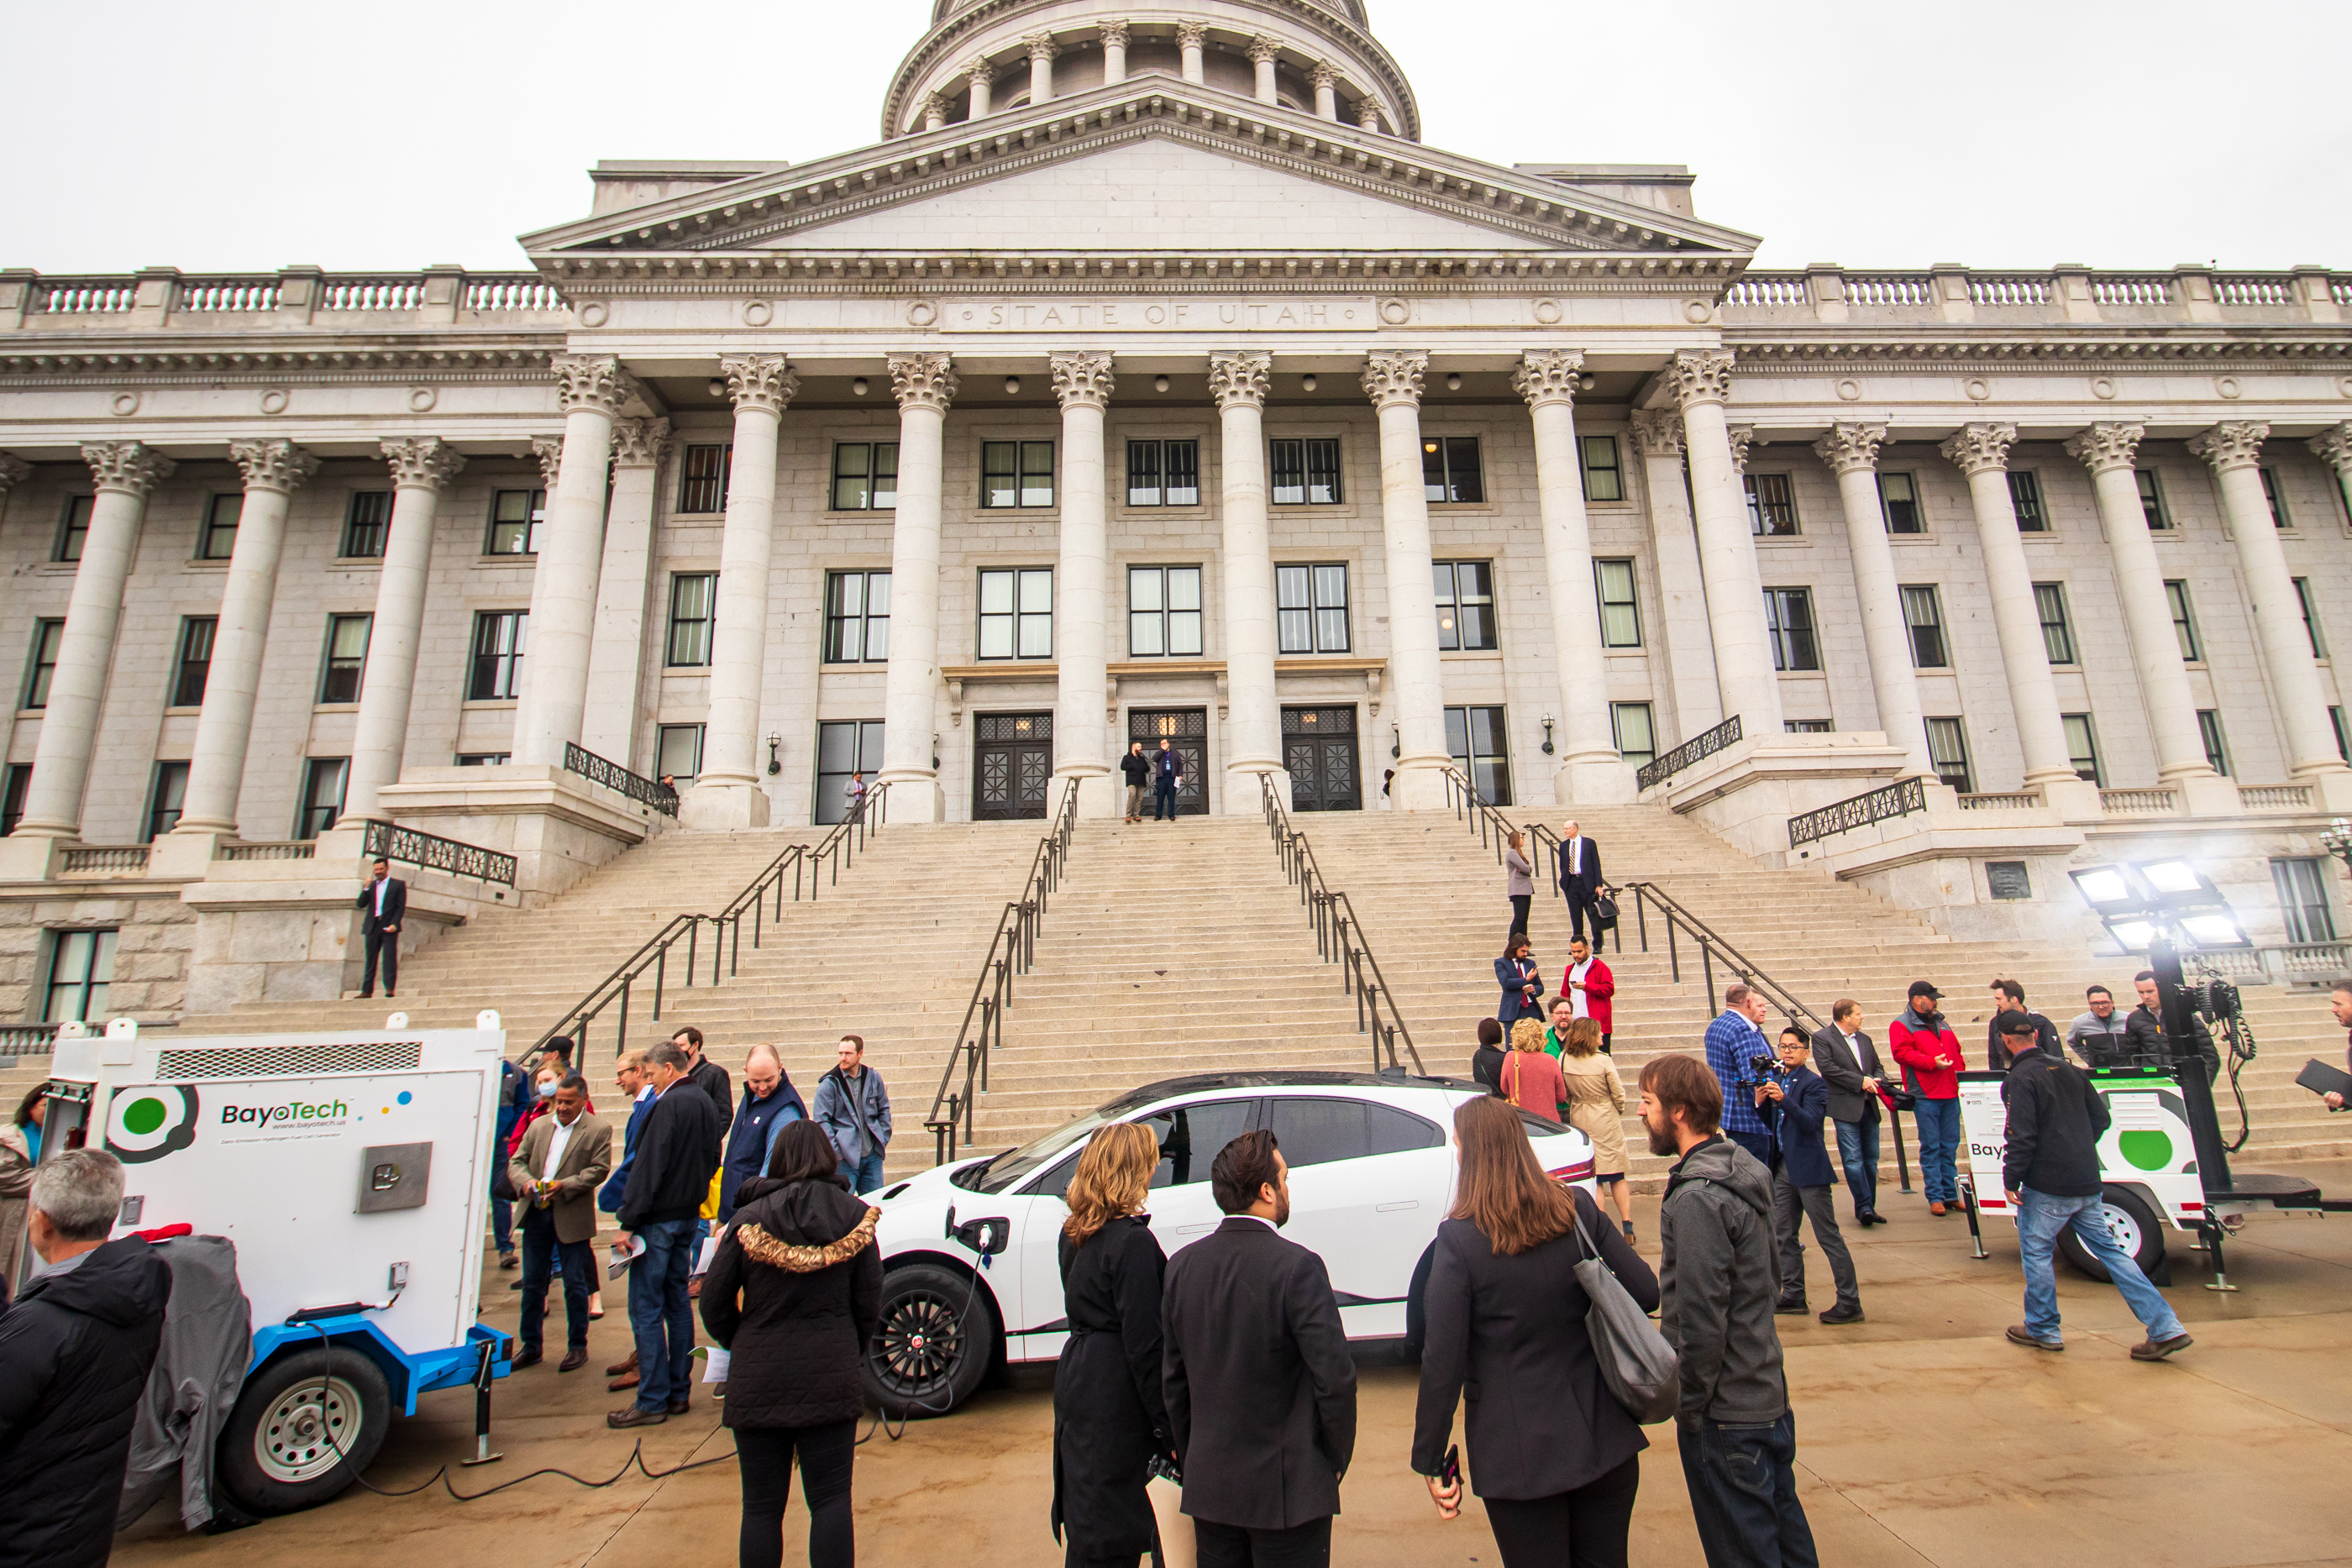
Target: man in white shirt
1579,879
1849,1064
564,1157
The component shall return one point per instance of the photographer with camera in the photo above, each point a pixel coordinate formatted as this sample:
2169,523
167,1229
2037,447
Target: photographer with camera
1796,1100
1734,1040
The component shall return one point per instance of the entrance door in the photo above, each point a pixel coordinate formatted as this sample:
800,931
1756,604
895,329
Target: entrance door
1186,729
1318,746
1015,764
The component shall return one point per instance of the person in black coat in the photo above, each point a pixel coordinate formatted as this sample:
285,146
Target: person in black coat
383,904
75,1351
1521,982
1796,1103
1486,1061
677,1151
1110,1419
794,1294
1261,1390
1552,1454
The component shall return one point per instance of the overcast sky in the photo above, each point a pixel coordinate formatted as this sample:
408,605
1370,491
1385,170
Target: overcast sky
255,133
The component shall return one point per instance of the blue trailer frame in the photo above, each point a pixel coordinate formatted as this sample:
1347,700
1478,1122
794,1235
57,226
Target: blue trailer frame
409,1375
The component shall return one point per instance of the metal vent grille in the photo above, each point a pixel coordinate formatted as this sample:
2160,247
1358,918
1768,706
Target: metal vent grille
287,1060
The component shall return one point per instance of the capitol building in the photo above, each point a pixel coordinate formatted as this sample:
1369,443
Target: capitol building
1137,381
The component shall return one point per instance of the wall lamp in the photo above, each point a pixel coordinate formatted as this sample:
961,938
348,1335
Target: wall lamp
775,765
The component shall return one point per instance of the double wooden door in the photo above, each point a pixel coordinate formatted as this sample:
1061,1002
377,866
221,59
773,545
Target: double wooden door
1319,747
1012,771
1186,730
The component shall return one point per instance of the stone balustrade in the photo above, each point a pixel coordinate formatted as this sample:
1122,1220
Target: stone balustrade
2066,294
292,296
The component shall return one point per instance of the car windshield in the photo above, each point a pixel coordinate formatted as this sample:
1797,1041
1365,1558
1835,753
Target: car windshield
999,1174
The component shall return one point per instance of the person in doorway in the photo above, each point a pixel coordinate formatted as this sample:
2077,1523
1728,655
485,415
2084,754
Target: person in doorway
2099,1035
2144,1031
2339,1002
384,905
1530,1079
629,1071
669,1177
854,1109
1801,1177
1167,773
1519,880
1932,1062
1596,1107
1588,986
1522,984
2008,996
1135,769
770,1105
564,1157
1849,1064
1486,1061
1579,878
1734,1041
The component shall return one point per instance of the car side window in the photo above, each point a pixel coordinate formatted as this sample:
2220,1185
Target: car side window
1315,1131
1056,1182
1538,1127
1192,1135
1389,1131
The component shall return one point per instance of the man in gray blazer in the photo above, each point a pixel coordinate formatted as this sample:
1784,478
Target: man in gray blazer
1849,1064
563,1159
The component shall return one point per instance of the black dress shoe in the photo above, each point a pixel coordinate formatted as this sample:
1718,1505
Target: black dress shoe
573,1360
677,1407
1789,1309
526,1358
635,1415
1843,1314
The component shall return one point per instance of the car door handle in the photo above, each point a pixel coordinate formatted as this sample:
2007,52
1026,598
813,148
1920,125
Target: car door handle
1195,1229
1397,1207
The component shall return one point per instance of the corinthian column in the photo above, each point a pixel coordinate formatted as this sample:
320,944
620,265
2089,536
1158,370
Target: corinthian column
1262,51
1681,594
1082,382
1325,77
1192,38
125,470
617,649
1114,44
273,471
1700,382
1253,718
925,384
1392,381
983,77
2233,450
591,389
420,467
1590,771
2333,447
1852,452
1042,50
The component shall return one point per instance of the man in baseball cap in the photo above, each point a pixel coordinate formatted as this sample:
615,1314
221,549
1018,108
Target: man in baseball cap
1930,1054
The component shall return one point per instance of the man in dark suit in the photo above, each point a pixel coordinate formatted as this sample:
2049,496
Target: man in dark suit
1261,1391
1797,1103
384,905
1849,1064
1579,878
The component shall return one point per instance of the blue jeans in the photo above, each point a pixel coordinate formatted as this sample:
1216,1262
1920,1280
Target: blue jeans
542,1256
1858,1153
1939,1123
864,1174
2040,1218
660,1315
1743,1492
502,1224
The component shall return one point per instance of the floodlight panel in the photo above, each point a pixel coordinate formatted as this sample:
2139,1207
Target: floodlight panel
2214,930
2135,934
2105,887
2173,876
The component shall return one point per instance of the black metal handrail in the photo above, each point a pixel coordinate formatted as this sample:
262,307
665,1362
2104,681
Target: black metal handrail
1492,826
1899,799
1340,936
596,769
837,850
389,840
1659,770
1711,946
1011,952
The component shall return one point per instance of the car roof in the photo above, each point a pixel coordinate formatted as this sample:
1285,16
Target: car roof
1298,1078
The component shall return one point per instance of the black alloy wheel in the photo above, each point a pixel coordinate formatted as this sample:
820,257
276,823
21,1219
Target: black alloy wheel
935,1342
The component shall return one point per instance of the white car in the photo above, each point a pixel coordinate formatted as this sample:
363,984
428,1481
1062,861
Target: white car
971,1248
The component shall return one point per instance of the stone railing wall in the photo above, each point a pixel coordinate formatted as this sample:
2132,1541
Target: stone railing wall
294,296
2067,294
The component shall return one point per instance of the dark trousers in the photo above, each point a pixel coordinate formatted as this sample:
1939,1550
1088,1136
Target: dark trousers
765,1457
1757,1143
661,1318
1579,910
1519,901
502,1225
542,1254
383,946
1793,1204
1743,1493
1584,1528
1307,1545
1163,800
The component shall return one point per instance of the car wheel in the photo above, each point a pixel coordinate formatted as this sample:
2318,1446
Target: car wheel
934,1343
303,1429
2135,1228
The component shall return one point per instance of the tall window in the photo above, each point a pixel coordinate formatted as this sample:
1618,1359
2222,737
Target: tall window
1476,739
1604,480
346,659
498,654
678,751
514,522
1789,618
1016,614
1620,616
1449,469
1947,750
693,596
81,969
2025,499
1635,731
366,524
2217,745
1163,472
857,617
1772,506
216,539
74,529
2342,734
2151,499
845,746
12,797
865,476
2057,631
2184,621
2302,899
2083,748
322,795
1898,498
1310,609
194,661
702,477
47,635
1466,605
1923,617
164,800
2276,501
1016,473
1304,471
1163,611
1807,726
2303,596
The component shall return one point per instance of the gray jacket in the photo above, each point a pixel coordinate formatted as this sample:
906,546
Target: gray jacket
199,1371
1520,873
1719,1284
854,1113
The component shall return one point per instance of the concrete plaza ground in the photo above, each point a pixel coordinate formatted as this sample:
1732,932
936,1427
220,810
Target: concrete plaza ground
1923,1439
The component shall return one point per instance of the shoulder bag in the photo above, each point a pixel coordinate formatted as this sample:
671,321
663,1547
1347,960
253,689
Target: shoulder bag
1639,1368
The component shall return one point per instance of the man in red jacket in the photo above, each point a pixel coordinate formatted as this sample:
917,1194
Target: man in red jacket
1588,985
1930,1054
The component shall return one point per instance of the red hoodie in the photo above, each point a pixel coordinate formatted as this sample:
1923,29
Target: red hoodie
1916,1046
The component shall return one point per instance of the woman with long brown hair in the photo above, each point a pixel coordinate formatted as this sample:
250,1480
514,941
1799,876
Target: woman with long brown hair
1553,1457
1109,1418
1596,1107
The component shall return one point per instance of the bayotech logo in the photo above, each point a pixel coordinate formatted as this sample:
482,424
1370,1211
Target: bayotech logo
147,1124
292,1112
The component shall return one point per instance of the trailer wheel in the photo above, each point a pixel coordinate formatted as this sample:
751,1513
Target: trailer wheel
303,1429
935,1342
2136,1229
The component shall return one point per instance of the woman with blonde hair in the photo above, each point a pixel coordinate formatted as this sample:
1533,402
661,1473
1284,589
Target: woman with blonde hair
1109,1418
1596,1107
1531,1080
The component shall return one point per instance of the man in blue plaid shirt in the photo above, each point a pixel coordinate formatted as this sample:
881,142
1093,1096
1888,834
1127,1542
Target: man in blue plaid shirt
1732,1039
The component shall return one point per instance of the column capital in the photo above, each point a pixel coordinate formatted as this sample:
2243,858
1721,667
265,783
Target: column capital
1240,381
1114,33
1191,34
1263,48
978,71
13,472
923,381
761,382
2333,446
1081,380
1740,438
1700,375
128,465
1324,74
548,450
591,380
1548,375
935,107
1657,432
1040,45
272,465
1395,378
2111,444
422,463
1851,446
640,442
2237,443
1981,448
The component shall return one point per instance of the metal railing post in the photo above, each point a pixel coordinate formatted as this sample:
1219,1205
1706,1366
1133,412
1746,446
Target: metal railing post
1902,1162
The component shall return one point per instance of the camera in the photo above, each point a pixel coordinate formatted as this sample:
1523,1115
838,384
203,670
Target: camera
1763,1068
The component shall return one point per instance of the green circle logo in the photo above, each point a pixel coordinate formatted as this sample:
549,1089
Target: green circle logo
2146,1149
149,1121
143,1115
